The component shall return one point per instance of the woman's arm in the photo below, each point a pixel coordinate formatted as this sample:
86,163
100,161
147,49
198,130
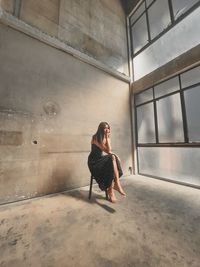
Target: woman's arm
106,144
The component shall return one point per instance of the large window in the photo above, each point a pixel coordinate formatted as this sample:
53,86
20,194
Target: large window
168,113
193,112
170,122
153,17
167,119
190,82
145,123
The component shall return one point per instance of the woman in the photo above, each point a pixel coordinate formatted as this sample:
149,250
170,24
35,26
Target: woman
106,169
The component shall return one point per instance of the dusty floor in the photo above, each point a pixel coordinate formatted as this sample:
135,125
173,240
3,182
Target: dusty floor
158,224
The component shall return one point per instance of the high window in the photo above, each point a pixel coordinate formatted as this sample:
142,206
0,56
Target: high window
144,26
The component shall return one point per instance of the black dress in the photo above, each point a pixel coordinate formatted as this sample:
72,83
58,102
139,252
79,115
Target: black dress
101,167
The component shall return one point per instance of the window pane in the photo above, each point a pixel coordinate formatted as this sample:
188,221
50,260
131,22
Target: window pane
144,96
159,11
139,34
167,87
149,2
174,163
190,77
145,124
181,6
137,13
192,97
170,124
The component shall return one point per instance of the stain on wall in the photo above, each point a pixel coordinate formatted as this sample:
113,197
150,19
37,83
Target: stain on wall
11,138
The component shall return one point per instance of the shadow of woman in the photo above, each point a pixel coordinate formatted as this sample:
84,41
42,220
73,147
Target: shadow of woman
83,195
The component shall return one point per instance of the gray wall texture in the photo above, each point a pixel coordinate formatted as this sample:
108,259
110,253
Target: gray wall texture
50,105
97,28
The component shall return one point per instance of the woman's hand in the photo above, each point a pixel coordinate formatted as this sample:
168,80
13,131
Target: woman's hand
107,143
107,135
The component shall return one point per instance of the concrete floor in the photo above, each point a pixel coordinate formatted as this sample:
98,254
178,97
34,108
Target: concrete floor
157,224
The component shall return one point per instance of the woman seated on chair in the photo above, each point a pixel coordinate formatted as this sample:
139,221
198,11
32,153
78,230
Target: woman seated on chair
106,169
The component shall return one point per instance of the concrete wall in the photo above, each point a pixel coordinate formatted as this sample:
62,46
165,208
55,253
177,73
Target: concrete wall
97,28
50,105
41,14
8,5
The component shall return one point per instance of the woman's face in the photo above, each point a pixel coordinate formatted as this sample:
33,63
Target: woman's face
106,129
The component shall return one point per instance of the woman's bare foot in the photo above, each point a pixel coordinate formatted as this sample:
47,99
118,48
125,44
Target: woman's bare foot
111,196
119,189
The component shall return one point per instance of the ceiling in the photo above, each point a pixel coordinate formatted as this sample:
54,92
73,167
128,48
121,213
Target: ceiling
128,5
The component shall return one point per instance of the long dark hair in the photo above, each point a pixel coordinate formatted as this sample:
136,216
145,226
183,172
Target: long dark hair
98,136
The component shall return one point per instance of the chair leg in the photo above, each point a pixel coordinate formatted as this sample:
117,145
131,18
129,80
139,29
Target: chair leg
90,192
106,194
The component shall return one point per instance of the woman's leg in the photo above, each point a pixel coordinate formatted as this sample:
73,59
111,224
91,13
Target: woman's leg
111,193
116,173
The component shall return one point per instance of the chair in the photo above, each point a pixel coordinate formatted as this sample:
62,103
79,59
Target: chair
90,191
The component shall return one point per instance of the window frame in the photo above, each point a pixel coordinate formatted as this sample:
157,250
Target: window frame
173,23
180,91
